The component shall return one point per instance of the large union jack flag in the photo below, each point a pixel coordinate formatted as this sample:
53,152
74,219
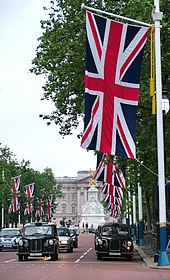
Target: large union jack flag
114,54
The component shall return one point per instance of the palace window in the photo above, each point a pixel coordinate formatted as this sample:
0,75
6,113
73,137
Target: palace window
73,196
73,209
64,196
63,209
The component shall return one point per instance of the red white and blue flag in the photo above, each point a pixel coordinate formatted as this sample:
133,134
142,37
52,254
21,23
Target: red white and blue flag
10,209
113,180
113,197
40,211
108,172
113,194
30,196
15,205
114,53
30,190
50,207
29,209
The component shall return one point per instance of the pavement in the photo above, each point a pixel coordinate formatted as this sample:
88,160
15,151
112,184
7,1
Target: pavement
148,258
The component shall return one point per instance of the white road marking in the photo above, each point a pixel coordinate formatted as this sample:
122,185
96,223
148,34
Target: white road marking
84,254
10,261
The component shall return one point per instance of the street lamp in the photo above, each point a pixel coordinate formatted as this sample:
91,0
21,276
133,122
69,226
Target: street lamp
163,257
165,104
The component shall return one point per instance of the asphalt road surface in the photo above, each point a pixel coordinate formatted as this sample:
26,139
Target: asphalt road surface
81,264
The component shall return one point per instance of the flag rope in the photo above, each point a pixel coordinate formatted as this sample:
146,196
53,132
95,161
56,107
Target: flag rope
141,163
83,6
152,70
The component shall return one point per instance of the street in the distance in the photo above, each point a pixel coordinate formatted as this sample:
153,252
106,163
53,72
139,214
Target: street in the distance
81,264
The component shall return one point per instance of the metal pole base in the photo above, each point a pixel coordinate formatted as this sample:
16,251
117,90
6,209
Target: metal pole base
164,259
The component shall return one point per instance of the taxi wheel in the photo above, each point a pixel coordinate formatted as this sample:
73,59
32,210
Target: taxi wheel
20,258
99,256
25,258
129,257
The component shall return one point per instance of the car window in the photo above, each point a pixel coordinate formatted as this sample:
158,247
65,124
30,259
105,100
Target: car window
109,230
63,232
123,231
31,230
72,231
7,232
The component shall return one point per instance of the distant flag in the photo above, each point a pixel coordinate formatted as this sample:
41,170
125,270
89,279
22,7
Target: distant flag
114,53
30,188
115,212
15,194
50,207
108,172
113,195
40,211
29,209
113,182
10,209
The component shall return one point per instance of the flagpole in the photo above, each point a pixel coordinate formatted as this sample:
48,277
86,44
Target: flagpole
19,218
114,15
134,217
2,224
163,258
140,210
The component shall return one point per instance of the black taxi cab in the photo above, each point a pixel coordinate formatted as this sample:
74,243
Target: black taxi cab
39,239
113,240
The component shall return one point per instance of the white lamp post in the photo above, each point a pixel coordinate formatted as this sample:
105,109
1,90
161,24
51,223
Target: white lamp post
165,104
163,257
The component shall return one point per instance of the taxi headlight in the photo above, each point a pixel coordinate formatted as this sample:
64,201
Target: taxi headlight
21,243
129,243
51,242
100,241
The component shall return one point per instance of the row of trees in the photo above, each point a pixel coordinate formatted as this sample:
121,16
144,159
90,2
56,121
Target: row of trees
45,185
60,57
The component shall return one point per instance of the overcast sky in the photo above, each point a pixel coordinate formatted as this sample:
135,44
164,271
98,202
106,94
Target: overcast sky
21,129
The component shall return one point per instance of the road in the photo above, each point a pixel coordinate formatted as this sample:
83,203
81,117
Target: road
81,264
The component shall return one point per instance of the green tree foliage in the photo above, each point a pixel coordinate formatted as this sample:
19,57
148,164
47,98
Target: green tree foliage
45,185
60,57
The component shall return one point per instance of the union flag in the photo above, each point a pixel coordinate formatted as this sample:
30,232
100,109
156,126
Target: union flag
114,53
50,207
15,194
30,190
108,172
30,196
40,211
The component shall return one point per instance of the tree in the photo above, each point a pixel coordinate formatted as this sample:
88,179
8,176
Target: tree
60,57
45,185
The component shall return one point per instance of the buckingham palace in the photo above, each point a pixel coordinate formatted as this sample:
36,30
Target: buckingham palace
74,196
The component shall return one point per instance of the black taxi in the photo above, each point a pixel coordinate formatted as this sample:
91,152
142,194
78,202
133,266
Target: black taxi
113,240
39,239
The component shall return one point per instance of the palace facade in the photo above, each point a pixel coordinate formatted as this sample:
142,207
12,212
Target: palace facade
74,190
